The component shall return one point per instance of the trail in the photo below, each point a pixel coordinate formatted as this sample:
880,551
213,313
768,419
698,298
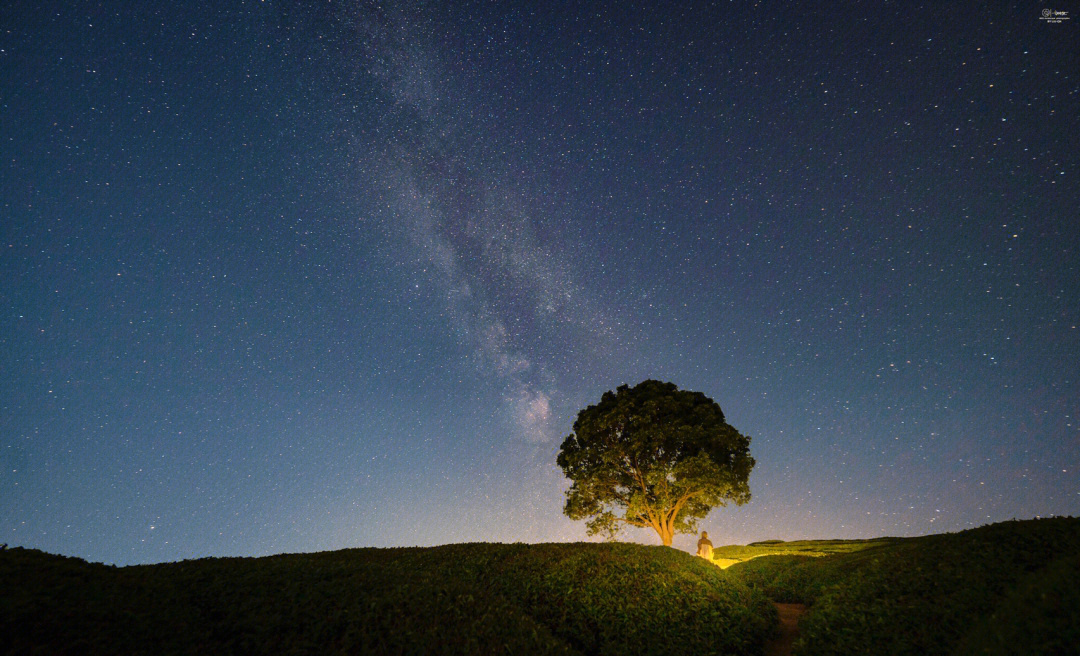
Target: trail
789,629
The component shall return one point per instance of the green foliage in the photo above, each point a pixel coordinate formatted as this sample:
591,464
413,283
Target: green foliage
779,577
1042,614
1006,588
456,599
653,456
995,589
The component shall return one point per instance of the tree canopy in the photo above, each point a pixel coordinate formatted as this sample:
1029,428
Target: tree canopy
653,456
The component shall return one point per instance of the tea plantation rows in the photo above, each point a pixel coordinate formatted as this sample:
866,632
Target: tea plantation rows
1001,589
1008,588
456,599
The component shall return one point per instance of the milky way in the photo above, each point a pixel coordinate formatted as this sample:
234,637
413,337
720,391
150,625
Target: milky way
290,278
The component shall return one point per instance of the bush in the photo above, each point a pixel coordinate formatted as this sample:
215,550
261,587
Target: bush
779,577
993,589
473,598
1042,614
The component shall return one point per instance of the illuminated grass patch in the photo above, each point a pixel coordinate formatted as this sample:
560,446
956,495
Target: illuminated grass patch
729,555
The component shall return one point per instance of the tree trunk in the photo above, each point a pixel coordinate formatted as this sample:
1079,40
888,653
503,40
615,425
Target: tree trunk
666,534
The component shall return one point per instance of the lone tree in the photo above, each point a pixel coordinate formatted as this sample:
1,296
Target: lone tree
653,456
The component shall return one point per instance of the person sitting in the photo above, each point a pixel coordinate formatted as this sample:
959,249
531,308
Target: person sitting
704,546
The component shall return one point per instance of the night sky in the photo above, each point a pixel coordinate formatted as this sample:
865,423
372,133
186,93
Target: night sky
283,277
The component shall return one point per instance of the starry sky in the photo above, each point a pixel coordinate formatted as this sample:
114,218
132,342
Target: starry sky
283,276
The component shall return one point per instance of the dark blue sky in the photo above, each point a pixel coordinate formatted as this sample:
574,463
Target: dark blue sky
302,276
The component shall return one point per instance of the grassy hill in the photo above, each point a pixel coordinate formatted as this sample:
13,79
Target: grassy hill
456,599
1001,589
1008,588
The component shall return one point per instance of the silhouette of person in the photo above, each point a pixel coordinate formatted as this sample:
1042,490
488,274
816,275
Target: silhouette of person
704,546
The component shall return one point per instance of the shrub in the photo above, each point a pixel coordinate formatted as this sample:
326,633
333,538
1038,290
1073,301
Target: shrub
456,599
993,589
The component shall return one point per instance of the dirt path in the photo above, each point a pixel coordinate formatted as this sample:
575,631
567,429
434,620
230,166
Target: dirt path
789,629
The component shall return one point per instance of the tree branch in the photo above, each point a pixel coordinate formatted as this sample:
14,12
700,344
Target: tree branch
680,502
638,523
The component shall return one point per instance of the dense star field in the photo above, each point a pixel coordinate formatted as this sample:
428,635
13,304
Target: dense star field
288,276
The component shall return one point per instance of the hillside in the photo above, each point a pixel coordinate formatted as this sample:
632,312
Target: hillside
1001,589
456,599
